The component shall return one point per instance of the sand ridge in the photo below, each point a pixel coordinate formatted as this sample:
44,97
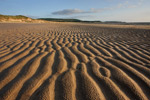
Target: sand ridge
71,61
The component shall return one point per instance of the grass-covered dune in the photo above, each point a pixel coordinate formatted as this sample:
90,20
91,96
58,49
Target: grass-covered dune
17,18
14,17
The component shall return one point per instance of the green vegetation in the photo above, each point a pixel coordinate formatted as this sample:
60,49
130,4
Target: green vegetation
7,17
13,17
67,20
60,20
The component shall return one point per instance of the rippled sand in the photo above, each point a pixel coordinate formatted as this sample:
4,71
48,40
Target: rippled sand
67,61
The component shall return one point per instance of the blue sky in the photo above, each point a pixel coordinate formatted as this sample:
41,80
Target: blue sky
104,10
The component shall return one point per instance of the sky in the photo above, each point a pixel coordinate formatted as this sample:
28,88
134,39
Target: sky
99,10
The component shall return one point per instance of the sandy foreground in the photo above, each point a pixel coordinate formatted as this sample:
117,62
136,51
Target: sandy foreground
72,61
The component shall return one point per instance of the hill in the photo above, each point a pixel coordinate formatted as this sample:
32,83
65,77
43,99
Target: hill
60,20
67,20
17,18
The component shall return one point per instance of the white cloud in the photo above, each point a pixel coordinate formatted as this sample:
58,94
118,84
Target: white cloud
76,11
131,11
125,4
68,12
130,4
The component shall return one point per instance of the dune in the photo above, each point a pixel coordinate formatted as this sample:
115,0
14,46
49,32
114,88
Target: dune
74,61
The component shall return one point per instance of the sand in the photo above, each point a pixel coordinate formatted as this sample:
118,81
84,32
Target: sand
73,61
